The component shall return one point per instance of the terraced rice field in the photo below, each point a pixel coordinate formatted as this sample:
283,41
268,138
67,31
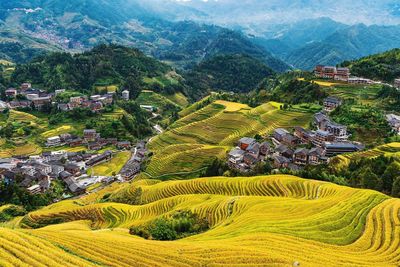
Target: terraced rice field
27,149
179,99
178,160
22,116
113,166
57,131
388,150
219,125
324,83
153,99
364,94
109,88
194,107
259,221
116,114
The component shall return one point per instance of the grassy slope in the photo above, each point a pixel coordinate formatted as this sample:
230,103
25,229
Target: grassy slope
197,138
272,220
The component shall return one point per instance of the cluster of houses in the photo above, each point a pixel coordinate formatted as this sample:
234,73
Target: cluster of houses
339,74
91,139
32,98
95,103
132,167
35,173
35,98
298,148
394,122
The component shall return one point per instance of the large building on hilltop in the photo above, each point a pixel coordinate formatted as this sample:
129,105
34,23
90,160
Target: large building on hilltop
331,72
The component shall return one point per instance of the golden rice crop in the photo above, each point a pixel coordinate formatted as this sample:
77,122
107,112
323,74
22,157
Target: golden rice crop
258,221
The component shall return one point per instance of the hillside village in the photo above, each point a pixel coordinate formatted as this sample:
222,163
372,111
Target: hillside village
27,97
35,173
297,147
342,74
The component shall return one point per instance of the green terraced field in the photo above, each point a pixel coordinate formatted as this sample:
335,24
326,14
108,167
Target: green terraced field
365,94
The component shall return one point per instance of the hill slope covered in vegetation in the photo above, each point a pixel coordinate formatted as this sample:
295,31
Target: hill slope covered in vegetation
237,73
383,67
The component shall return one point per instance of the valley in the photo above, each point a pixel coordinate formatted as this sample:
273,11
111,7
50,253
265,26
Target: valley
199,133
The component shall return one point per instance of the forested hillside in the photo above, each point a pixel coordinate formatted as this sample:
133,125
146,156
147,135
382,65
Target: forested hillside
237,73
104,64
383,67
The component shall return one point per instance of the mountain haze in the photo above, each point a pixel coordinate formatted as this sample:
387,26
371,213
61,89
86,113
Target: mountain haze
81,24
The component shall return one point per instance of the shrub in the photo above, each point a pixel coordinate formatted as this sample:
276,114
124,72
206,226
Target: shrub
162,229
179,225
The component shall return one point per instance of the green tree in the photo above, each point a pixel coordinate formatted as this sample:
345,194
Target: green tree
161,229
396,187
370,180
391,172
133,85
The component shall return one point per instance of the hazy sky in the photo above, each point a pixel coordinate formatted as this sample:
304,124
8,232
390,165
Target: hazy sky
277,11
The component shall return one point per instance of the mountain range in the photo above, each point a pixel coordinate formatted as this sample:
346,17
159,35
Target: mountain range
324,41
81,24
184,33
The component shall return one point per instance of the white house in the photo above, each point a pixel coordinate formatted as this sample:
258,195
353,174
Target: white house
53,141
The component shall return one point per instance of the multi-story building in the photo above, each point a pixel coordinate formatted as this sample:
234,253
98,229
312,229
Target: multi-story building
342,74
337,148
76,100
11,92
125,95
321,137
53,141
338,130
90,135
324,123
300,156
358,80
304,135
331,72
394,122
26,86
331,103
326,72
280,133
41,101
245,142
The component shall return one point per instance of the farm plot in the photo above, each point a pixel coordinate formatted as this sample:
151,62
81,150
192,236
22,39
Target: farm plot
57,131
27,149
112,166
182,159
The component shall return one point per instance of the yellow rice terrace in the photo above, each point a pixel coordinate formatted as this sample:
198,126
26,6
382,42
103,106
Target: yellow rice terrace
248,221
